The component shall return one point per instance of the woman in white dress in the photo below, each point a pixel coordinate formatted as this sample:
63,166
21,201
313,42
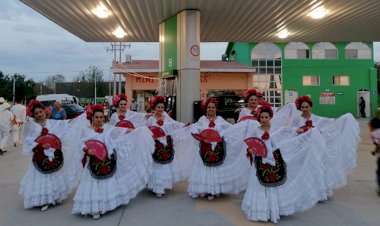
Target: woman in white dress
166,170
47,181
116,167
341,137
217,167
251,96
124,117
289,177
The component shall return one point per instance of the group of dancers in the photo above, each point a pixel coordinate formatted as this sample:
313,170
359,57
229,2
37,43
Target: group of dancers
285,161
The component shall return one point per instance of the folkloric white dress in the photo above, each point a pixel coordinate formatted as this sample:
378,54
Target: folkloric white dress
304,184
165,172
228,177
132,152
136,118
341,137
49,182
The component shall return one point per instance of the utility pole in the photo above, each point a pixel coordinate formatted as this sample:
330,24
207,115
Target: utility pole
117,47
14,88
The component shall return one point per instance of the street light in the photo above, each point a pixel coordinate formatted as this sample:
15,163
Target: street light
42,84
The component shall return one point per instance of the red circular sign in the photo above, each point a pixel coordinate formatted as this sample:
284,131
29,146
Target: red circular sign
194,50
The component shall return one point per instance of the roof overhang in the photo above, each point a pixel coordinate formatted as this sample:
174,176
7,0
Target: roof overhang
221,20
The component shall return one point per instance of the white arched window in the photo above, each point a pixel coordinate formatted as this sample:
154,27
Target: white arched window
297,50
266,57
325,50
358,50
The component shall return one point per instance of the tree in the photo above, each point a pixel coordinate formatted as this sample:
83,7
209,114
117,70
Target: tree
52,79
23,87
92,73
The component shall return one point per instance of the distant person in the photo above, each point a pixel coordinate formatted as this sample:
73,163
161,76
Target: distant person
19,111
362,107
134,105
57,112
6,118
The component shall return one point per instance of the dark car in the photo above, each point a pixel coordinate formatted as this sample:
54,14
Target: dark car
229,106
73,110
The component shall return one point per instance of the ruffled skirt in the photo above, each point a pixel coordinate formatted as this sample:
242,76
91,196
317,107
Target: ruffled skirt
39,189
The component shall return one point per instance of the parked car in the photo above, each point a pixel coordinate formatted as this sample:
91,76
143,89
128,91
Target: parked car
229,107
73,110
49,99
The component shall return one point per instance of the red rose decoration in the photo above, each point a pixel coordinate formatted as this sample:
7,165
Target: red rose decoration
121,117
272,177
160,122
99,130
211,124
44,131
265,167
104,169
159,145
265,135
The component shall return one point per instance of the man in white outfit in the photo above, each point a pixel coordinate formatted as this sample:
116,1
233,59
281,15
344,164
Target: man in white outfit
19,112
6,118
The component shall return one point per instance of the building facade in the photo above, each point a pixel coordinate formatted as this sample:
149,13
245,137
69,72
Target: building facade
334,75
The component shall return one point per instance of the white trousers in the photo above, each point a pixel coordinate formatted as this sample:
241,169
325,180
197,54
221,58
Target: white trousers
18,133
4,139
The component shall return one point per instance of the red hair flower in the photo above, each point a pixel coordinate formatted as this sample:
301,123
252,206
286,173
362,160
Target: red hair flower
248,93
156,100
116,99
209,100
259,94
302,99
91,108
30,107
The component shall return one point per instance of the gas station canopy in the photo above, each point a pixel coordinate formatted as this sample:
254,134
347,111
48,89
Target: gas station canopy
221,20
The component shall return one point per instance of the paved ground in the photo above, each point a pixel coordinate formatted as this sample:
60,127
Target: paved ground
356,204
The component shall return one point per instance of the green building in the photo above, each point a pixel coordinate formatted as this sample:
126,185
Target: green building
335,75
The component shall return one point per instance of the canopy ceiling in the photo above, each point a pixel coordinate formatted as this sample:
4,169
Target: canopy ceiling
221,20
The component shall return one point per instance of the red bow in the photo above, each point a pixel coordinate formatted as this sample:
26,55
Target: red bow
309,123
211,124
265,135
121,117
44,131
160,122
99,130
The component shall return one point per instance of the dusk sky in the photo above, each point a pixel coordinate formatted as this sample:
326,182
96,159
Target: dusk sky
32,45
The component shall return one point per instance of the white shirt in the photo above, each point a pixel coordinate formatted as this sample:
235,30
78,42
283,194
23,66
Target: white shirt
19,111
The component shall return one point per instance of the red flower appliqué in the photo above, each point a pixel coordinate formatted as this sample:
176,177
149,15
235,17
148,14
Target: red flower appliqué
51,164
212,157
99,130
265,135
165,155
44,131
160,122
211,124
272,177
121,117
104,169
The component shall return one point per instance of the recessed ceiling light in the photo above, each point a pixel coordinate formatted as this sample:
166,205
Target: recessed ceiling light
101,11
119,32
318,13
284,33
